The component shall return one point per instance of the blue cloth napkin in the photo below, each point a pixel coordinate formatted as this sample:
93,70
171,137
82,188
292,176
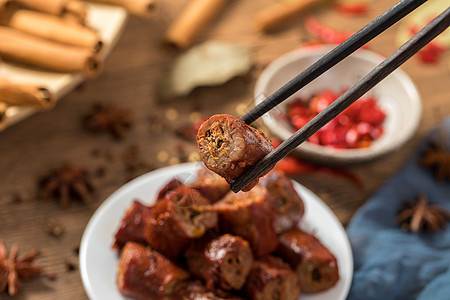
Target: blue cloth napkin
390,263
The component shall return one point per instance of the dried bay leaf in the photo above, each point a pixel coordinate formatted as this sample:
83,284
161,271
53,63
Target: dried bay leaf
209,64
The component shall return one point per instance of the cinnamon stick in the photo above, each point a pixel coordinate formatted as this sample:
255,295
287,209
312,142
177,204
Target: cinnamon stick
55,28
16,94
54,7
143,8
25,48
3,108
278,13
7,7
75,11
192,20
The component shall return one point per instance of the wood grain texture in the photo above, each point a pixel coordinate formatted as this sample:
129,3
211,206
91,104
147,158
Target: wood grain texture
28,150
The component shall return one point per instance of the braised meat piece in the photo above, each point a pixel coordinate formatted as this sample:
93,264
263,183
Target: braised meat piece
211,185
145,274
194,290
132,225
287,202
186,196
229,147
170,186
251,216
176,220
315,265
272,279
222,262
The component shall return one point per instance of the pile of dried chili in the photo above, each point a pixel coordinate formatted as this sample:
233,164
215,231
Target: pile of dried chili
356,127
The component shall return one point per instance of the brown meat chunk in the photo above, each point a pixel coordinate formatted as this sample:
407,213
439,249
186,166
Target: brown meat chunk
222,261
176,220
251,216
145,274
169,187
211,185
194,290
288,204
315,265
132,226
229,147
272,279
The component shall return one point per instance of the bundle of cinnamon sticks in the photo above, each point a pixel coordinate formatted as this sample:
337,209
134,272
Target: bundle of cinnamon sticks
47,34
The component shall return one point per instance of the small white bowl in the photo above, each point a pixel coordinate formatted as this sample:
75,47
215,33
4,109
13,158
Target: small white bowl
396,95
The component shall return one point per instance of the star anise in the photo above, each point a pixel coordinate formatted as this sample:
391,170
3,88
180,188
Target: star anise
109,118
65,183
420,216
437,158
14,268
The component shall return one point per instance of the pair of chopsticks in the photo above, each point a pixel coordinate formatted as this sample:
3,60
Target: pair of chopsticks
367,33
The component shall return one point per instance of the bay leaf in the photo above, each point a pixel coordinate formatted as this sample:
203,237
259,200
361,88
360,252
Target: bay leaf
209,64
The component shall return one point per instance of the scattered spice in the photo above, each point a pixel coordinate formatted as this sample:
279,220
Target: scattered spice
13,268
419,216
437,158
50,276
95,153
109,118
100,171
76,249
65,183
19,197
55,228
70,266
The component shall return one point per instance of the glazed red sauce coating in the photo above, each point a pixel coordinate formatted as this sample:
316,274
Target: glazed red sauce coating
222,261
315,265
211,185
229,147
272,279
251,216
132,225
145,274
194,290
287,202
174,222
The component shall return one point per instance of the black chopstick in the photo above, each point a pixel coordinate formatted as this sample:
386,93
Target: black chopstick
356,41
417,42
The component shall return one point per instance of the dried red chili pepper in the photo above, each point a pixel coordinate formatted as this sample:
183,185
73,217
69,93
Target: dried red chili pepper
292,165
327,34
357,127
432,52
352,8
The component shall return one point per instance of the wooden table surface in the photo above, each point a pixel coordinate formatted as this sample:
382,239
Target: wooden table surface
32,148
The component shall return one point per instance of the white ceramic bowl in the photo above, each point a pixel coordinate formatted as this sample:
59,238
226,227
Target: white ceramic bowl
98,261
396,95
